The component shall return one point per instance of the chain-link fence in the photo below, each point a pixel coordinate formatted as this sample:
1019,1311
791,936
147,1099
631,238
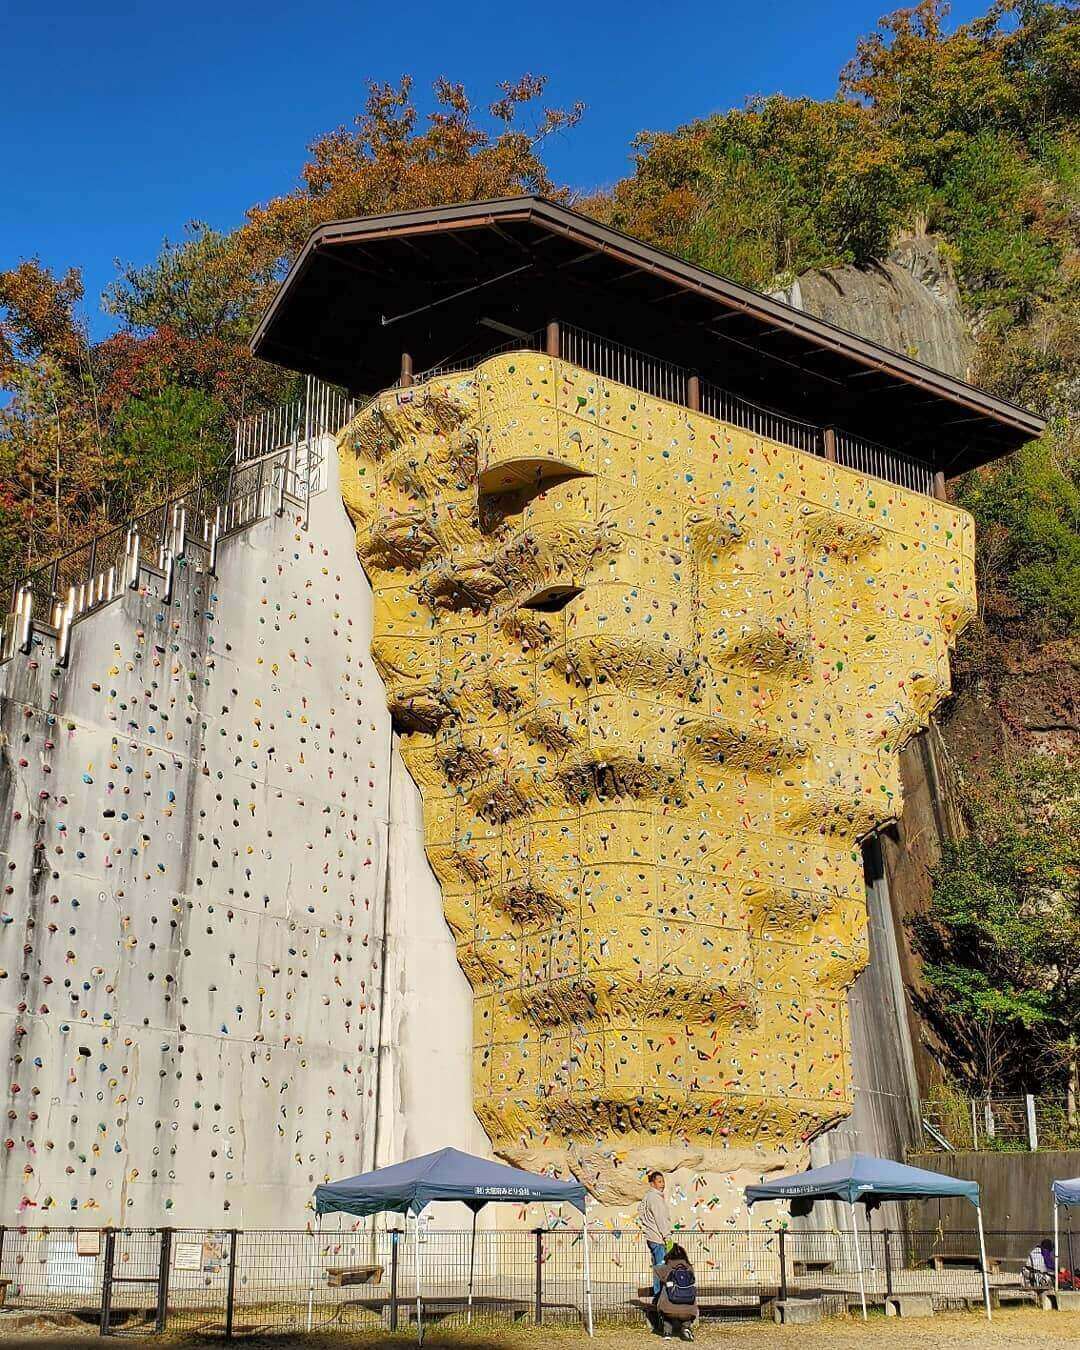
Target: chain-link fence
231,1282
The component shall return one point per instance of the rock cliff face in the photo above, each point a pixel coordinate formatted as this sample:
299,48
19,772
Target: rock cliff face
908,302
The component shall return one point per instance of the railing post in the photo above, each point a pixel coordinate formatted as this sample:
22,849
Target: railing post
230,1297
693,392
888,1263
107,1281
93,559
1032,1126
941,492
538,1306
828,438
783,1264
551,338
164,1265
406,377
394,1236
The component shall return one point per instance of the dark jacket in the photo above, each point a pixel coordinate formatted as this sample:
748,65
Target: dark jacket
674,1312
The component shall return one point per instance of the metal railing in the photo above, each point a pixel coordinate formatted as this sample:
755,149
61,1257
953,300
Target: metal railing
235,1282
238,493
662,379
761,421
880,462
322,409
1000,1124
625,365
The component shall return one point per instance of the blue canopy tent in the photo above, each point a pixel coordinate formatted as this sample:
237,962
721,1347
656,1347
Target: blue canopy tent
1065,1193
409,1187
868,1181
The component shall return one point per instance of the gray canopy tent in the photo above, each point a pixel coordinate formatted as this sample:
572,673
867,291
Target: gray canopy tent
869,1181
409,1187
1065,1193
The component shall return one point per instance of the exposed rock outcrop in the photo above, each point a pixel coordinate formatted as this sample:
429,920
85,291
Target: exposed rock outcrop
908,302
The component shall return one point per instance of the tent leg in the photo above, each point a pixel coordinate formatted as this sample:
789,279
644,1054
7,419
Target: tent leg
416,1271
858,1259
472,1266
982,1262
1057,1258
311,1267
588,1276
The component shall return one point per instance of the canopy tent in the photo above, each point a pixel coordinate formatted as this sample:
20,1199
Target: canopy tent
868,1181
409,1187
1065,1193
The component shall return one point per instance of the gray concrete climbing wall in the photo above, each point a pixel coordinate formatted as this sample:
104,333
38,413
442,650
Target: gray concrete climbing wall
194,826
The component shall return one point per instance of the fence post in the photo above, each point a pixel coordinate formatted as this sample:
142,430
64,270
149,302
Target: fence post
394,1236
783,1264
1032,1127
888,1263
164,1262
538,1306
107,1281
230,1297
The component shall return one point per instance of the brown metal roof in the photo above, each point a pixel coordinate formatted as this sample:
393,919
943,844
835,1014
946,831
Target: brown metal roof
362,291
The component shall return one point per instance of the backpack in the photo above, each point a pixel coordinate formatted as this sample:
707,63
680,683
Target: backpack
680,1286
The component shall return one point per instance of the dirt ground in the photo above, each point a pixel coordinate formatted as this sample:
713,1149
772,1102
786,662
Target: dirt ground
1023,1329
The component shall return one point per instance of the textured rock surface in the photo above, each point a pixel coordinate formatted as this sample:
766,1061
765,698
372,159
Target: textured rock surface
908,302
652,676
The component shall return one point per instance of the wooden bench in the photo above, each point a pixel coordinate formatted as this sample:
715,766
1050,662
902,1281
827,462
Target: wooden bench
337,1276
718,1300
436,1307
812,1267
963,1261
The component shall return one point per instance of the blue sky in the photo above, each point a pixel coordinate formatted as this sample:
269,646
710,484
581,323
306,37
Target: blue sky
124,120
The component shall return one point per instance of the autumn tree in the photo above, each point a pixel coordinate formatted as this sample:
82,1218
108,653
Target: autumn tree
94,432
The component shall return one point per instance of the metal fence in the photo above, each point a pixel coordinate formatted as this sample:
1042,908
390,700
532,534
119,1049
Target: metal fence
232,1282
624,365
854,452
1001,1124
321,410
760,421
277,454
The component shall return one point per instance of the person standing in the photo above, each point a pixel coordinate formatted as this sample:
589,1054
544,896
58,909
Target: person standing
654,1218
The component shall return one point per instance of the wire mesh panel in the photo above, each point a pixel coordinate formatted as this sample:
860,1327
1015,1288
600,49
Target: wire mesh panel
230,1282
53,1270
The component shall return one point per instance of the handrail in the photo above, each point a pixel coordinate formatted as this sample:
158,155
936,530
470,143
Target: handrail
243,489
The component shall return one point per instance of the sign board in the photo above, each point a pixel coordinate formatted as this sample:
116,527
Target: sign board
187,1255
88,1242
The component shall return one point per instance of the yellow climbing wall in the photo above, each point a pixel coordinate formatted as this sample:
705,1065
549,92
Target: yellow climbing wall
652,675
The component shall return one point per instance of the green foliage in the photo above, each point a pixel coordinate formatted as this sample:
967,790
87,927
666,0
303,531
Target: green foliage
779,187
1001,941
165,440
200,288
1027,512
